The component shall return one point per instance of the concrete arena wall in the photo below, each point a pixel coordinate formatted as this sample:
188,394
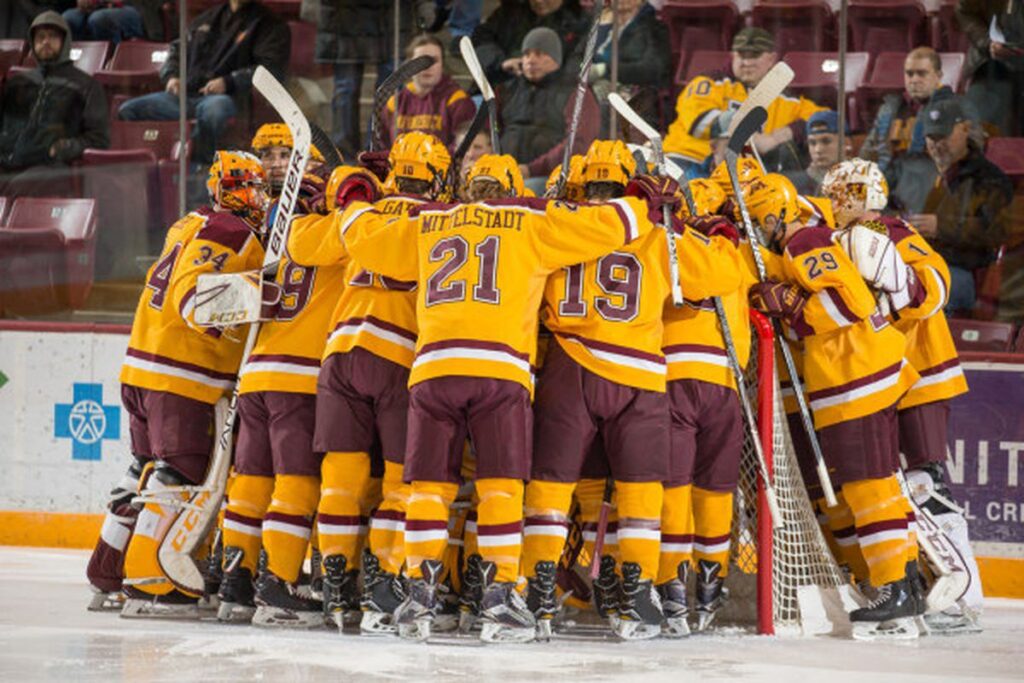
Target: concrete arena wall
65,442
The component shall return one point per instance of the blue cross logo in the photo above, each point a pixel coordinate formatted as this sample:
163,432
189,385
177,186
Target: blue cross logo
87,422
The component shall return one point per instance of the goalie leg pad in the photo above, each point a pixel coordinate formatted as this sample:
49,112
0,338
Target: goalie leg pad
106,565
288,523
243,520
712,523
677,530
546,524
639,528
500,525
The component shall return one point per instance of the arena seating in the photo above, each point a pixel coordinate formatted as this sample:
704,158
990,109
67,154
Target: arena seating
980,335
880,25
886,76
702,62
11,54
700,24
796,24
946,33
1008,154
87,55
135,68
47,252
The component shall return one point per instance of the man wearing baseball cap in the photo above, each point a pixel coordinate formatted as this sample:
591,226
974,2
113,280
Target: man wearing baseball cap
966,214
823,146
706,97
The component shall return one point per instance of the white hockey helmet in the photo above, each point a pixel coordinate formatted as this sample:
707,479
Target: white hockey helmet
855,186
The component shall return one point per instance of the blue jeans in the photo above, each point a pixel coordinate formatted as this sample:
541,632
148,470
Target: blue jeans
114,24
348,80
961,290
211,112
465,17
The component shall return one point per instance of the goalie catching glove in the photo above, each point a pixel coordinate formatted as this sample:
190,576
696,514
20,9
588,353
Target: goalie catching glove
778,299
869,246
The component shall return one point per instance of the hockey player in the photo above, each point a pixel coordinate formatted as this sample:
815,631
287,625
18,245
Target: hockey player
707,433
176,370
273,144
605,378
276,487
362,396
473,369
858,191
854,373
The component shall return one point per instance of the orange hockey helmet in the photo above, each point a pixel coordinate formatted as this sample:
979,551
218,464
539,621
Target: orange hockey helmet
237,183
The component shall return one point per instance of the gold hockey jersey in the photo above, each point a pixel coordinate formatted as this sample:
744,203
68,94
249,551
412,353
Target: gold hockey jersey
607,314
374,312
705,97
481,269
168,351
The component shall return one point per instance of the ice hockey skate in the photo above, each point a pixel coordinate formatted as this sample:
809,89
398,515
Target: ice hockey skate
382,594
541,597
639,614
236,589
711,592
279,604
503,611
606,590
470,595
340,592
891,615
674,603
174,605
103,601
415,616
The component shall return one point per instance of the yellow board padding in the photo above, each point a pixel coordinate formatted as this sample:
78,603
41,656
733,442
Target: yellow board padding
1002,577
49,529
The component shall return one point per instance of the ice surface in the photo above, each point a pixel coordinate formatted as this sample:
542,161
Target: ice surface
46,634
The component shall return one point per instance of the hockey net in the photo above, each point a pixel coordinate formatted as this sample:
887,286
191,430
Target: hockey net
784,580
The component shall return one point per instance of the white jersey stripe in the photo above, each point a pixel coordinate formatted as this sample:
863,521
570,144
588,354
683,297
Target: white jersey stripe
369,328
875,387
161,369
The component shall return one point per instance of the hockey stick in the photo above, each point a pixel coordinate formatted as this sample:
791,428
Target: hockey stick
654,137
602,527
193,525
323,142
475,126
742,130
388,87
581,91
477,72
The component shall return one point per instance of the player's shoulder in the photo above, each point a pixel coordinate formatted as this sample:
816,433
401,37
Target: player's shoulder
225,229
426,206
809,239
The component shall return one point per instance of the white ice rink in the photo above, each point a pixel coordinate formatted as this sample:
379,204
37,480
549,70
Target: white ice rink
46,634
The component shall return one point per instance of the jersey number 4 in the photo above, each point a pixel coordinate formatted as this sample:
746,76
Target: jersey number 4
453,253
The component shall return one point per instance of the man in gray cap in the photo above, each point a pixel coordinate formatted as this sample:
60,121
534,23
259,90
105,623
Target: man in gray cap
706,97
536,110
966,214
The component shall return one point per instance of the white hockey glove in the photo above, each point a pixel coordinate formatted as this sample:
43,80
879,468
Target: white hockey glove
227,299
879,262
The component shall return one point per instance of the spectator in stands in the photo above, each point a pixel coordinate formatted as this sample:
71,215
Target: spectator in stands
225,45
896,139
823,147
48,115
480,146
498,39
706,97
17,15
462,17
995,63
966,215
645,58
432,102
115,20
536,110
719,141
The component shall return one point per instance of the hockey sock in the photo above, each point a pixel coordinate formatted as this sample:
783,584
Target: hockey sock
106,564
712,523
243,519
546,522
843,535
288,523
426,523
590,494
676,532
881,527
639,528
913,552
499,525
344,479
141,566
387,524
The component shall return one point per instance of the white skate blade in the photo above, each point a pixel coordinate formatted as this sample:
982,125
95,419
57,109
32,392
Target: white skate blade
636,630
275,617
943,624
106,602
544,629
140,608
895,629
675,627
419,630
493,632
377,624
233,613
704,620
946,590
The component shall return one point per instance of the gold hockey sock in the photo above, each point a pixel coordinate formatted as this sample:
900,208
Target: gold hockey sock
881,526
676,532
499,525
345,477
288,523
913,552
546,522
590,494
843,532
712,523
426,523
387,525
243,519
639,529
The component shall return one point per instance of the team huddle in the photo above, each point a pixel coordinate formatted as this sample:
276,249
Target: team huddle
461,397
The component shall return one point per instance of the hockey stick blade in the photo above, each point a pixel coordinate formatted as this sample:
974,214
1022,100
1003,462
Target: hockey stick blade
767,91
475,126
322,141
395,80
475,70
620,105
746,128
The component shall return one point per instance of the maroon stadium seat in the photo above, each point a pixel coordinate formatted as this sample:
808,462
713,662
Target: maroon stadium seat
3,210
700,24
947,36
87,55
134,68
817,77
11,54
1008,154
48,249
707,62
879,25
981,335
796,24
285,9
159,137
302,62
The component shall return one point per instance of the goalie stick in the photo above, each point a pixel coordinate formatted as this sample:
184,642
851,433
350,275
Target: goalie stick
486,91
629,114
620,105
602,527
388,87
747,121
200,511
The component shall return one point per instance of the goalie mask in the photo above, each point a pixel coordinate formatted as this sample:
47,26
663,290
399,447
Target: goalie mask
855,187
419,156
573,183
772,204
708,196
608,161
237,184
747,169
501,169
